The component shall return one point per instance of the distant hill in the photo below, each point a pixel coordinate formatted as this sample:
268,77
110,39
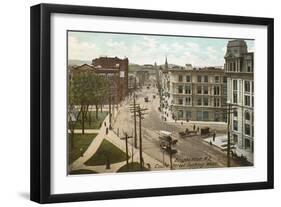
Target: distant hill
79,62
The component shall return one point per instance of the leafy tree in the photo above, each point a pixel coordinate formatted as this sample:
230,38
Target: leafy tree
85,89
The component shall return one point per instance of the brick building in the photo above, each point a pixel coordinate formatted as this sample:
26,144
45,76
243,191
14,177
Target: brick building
105,63
114,69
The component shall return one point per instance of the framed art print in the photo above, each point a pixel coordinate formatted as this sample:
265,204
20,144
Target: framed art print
132,103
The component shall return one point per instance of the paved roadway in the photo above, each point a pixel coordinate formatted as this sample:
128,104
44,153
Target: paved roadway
192,151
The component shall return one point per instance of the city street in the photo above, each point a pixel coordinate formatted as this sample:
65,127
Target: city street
192,152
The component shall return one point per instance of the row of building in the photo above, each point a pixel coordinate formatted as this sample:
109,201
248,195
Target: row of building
188,93
202,94
114,69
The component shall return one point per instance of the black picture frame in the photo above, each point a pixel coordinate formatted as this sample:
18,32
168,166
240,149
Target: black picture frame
41,102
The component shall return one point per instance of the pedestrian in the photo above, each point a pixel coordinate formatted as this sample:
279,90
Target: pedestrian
105,123
81,152
214,137
106,131
197,130
194,127
181,123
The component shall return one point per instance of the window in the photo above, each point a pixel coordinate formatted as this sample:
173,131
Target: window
234,97
216,102
247,86
247,129
235,138
205,101
180,78
199,101
206,79
234,66
199,90
216,90
188,114
188,79
235,125
187,101
199,115
235,113
205,89
199,78
180,89
205,115
187,90
217,116
253,101
247,144
235,85
180,114
247,116
180,101
217,79
247,100
249,66
252,86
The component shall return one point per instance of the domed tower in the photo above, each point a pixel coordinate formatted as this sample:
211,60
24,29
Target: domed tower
236,50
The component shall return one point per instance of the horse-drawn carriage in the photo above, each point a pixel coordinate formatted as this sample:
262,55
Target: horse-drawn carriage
187,133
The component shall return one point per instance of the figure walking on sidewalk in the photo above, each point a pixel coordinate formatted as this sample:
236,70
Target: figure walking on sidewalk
214,137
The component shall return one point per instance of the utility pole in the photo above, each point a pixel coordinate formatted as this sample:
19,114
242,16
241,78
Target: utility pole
135,121
167,145
133,108
141,159
113,106
228,110
110,112
140,113
228,136
127,153
133,152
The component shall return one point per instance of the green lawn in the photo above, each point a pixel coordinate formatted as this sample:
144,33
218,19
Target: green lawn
82,171
80,145
94,123
133,167
109,151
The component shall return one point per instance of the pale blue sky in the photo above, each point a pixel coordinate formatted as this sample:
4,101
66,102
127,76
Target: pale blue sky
147,49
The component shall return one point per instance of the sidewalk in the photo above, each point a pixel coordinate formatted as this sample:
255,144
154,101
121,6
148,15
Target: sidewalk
220,142
248,155
91,150
102,168
86,131
114,139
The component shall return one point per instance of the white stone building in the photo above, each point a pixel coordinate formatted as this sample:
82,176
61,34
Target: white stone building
197,94
239,68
